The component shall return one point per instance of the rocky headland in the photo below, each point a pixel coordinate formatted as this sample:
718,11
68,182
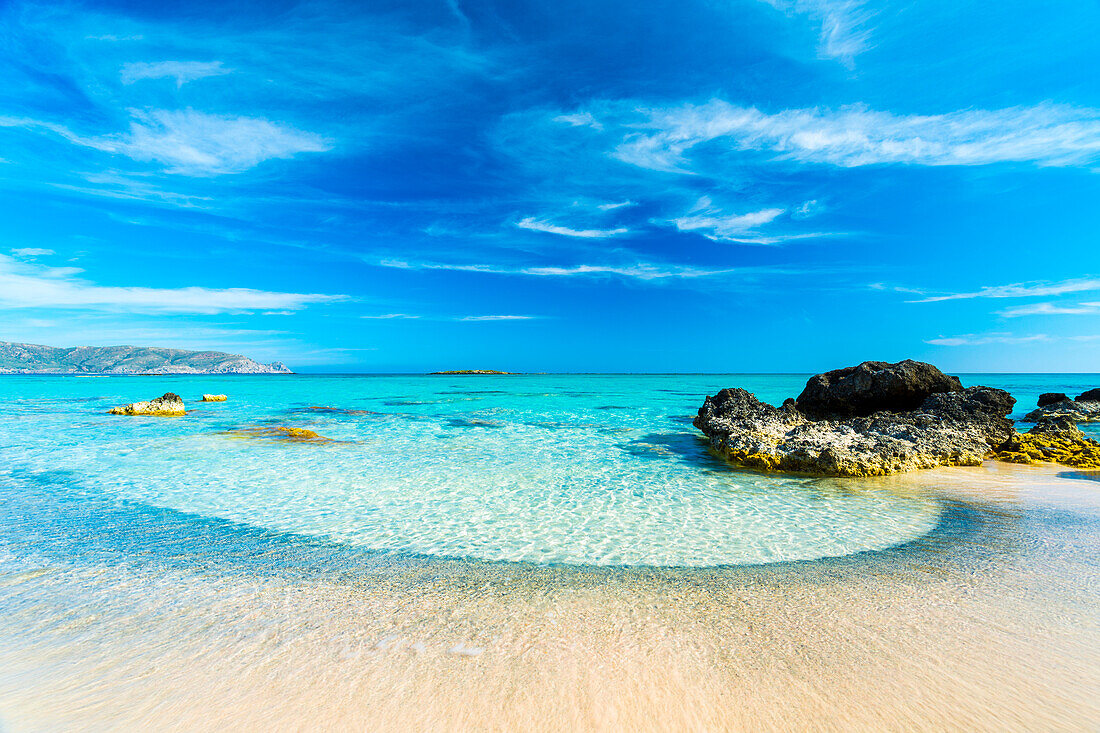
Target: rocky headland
16,358
879,418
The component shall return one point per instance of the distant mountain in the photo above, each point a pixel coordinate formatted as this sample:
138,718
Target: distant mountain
35,359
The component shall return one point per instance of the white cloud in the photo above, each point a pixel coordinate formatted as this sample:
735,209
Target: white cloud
612,207
639,271
115,39
580,119
1021,290
27,285
1046,134
181,71
538,225
724,227
807,209
1050,309
388,316
193,143
978,339
31,252
844,24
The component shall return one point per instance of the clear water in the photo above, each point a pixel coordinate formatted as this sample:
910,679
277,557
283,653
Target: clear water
546,469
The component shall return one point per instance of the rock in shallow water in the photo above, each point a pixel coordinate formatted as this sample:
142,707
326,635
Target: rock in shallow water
1092,395
280,433
214,398
1052,439
947,429
872,387
1078,411
167,405
918,417
1051,398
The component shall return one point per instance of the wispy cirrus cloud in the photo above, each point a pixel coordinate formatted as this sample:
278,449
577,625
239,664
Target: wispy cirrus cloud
844,24
725,227
540,225
640,271
181,71
192,143
28,285
715,224
983,339
1020,290
1051,309
408,316
31,252
1045,134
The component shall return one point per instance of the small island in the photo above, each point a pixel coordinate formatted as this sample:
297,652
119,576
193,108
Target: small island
471,371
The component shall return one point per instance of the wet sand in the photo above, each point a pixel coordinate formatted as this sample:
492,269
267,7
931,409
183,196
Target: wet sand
990,623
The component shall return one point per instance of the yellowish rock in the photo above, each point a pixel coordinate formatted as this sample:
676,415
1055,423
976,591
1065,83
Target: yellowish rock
168,405
280,432
1069,451
214,398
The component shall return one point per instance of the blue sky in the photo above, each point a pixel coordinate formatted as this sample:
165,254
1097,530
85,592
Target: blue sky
714,186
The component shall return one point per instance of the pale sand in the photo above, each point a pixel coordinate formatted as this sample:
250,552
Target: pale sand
993,627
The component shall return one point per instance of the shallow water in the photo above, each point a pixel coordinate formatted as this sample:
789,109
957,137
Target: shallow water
169,572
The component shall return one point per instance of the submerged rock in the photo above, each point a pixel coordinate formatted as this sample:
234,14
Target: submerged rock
167,405
214,398
949,425
1052,439
872,387
281,432
1051,398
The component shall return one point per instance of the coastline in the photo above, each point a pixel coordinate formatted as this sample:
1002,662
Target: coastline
158,574
916,636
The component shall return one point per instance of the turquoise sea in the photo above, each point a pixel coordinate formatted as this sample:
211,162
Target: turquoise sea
434,485
574,469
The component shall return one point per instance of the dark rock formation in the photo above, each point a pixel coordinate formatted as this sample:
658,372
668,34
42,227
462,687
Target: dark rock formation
1051,398
872,387
1077,411
1093,395
947,428
168,405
